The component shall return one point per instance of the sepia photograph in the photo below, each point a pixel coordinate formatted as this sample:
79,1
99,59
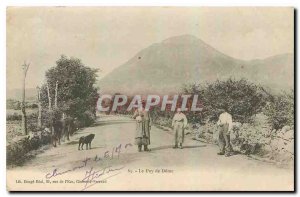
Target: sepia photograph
150,98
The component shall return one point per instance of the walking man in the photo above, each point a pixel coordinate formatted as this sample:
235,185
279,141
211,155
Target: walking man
179,123
225,126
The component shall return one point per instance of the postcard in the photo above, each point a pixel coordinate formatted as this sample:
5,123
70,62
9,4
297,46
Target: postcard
150,99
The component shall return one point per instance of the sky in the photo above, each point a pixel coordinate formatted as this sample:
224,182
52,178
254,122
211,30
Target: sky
107,37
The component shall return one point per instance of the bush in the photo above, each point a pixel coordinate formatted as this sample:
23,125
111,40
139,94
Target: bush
17,151
86,119
13,117
49,116
241,98
13,104
280,110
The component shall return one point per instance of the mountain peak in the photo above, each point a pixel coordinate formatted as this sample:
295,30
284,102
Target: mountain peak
186,38
164,67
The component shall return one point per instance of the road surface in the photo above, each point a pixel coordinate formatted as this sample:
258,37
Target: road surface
114,163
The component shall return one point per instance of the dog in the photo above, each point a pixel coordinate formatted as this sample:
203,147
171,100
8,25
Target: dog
86,140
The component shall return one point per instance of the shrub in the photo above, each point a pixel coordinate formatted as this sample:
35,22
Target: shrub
241,98
13,117
17,151
86,119
280,110
13,104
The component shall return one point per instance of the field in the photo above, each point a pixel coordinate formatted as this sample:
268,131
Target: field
13,123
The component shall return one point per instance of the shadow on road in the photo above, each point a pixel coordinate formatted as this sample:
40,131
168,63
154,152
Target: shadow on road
195,146
97,147
161,147
92,148
171,146
72,142
111,122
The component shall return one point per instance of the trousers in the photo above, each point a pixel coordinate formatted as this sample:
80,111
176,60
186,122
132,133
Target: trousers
224,139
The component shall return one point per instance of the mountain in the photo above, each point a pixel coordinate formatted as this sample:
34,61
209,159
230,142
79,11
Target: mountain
164,67
276,72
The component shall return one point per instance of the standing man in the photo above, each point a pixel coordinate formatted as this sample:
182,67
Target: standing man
179,123
225,126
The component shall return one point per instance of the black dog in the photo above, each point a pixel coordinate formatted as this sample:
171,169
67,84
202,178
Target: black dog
86,140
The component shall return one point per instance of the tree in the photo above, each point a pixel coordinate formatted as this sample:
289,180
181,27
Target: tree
72,85
23,107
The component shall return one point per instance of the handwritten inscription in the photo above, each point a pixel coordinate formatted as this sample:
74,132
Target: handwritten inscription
92,175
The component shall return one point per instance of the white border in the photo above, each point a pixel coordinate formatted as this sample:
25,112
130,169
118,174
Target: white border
5,3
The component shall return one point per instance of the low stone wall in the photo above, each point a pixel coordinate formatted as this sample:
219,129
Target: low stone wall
249,139
255,139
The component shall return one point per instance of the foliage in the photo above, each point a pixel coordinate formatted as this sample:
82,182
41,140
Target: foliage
17,152
240,98
77,97
77,94
13,117
280,110
17,116
13,104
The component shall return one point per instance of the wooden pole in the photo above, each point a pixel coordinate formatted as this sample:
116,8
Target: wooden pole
23,107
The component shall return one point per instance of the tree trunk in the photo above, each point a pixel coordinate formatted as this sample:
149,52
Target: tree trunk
39,124
49,97
24,118
49,109
55,99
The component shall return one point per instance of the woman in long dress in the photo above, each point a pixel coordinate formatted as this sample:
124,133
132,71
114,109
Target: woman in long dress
143,126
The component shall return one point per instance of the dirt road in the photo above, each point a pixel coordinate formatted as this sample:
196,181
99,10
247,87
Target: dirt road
113,163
